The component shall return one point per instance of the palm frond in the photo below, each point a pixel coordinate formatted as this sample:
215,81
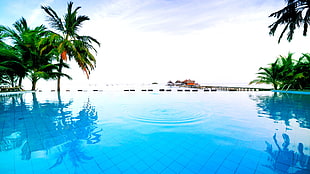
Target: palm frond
292,17
53,18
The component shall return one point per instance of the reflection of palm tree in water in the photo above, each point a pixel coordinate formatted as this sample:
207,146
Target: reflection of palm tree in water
284,107
283,159
74,152
79,128
60,132
86,119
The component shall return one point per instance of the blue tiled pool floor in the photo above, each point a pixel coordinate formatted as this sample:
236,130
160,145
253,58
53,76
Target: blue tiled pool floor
157,153
100,134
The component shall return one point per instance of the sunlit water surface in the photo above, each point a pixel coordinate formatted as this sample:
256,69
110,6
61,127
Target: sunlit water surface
154,132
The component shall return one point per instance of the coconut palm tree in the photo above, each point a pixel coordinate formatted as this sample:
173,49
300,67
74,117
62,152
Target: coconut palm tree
36,52
294,15
11,67
269,75
286,66
42,67
71,45
23,39
301,73
286,73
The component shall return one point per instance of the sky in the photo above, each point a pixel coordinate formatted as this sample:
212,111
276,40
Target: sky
145,41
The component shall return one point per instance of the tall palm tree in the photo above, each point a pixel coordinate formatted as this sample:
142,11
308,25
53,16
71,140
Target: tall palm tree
294,15
44,53
70,43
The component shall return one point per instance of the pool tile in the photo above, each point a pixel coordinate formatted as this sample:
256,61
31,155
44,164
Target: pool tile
105,164
158,166
224,170
132,160
232,165
39,165
150,171
124,165
92,167
188,171
183,159
235,156
150,160
209,168
264,169
168,171
141,167
242,169
193,166
200,159
23,167
112,170
131,170
176,167
117,159
173,154
249,163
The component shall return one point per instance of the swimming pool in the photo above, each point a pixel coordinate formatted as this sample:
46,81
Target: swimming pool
154,132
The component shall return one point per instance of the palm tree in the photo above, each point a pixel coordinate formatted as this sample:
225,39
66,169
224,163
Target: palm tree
294,15
70,43
269,75
287,65
286,73
302,72
36,53
23,39
44,53
11,67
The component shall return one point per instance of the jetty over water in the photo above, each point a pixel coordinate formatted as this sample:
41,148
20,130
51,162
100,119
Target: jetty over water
230,88
188,83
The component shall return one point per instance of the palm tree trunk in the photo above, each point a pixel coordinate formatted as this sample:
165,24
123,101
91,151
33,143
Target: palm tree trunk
34,84
20,82
275,86
12,80
59,76
58,83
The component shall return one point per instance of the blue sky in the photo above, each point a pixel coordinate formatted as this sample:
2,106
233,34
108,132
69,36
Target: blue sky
211,41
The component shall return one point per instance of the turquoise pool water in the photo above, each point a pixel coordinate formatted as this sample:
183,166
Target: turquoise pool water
154,132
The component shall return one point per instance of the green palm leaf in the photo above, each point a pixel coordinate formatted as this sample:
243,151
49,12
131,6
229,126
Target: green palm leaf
69,43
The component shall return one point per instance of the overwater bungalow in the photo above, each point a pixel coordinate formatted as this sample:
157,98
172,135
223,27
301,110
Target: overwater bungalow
170,83
190,83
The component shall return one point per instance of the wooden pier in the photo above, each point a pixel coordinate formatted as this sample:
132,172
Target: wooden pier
229,88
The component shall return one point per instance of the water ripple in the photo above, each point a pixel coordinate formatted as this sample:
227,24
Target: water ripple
168,116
